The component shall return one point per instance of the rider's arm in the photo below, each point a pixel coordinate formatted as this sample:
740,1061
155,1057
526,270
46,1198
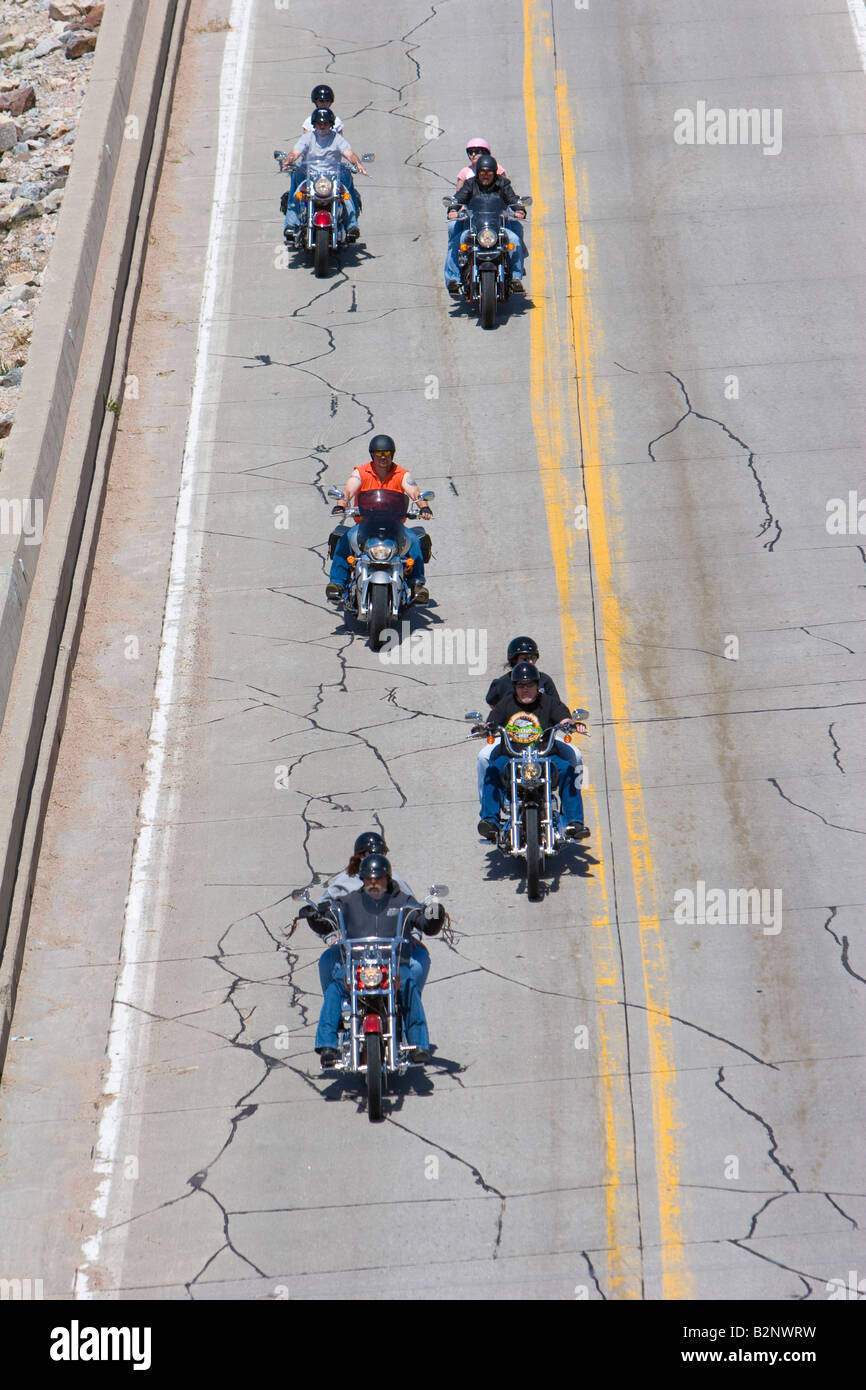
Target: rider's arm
350,158
353,486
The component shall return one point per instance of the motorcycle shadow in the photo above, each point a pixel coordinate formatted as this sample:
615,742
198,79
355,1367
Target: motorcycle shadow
417,1081
515,306
419,619
572,859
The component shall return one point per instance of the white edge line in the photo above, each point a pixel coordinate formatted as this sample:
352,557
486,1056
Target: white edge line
133,980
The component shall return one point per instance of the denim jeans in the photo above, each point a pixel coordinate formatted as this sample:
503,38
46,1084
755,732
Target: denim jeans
566,750
411,1007
570,798
295,205
340,564
515,257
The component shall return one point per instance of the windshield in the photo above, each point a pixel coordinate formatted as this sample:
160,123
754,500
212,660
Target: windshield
382,513
486,205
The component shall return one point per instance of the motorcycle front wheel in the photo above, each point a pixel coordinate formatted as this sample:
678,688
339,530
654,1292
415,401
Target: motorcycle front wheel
533,851
321,252
374,1076
488,301
380,615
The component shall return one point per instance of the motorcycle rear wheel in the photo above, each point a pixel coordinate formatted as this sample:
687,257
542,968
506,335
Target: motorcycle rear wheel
374,1075
380,615
322,252
488,300
533,851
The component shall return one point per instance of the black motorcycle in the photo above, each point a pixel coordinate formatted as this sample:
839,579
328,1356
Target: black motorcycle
483,252
530,823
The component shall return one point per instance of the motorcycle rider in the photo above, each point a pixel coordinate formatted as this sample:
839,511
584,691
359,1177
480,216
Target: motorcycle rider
487,180
369,842
372,911
323,96
527,697
475,148
520,649
329,149
380,473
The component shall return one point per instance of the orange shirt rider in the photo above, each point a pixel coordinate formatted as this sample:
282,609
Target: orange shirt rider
382,472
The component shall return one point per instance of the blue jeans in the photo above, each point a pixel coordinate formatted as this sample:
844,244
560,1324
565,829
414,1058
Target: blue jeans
570,798
566,750
515,257
331,965
340,563
349,205
411,1007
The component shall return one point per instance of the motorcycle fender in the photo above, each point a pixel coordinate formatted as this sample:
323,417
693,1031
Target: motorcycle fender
379,577
372,1024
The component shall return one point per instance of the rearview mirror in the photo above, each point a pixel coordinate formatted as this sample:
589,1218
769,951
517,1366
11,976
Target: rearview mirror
335,492
438,890
367,158
428,496
527,200
582,714
474,714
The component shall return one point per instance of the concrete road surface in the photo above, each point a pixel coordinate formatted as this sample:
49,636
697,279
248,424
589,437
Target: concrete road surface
646,1085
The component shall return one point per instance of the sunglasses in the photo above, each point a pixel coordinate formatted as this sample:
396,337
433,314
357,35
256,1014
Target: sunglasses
472,152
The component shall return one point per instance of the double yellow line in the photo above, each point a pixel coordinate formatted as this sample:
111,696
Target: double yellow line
569,420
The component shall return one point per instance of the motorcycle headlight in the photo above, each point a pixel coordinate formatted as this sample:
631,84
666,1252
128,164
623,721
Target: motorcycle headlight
487,238
530,772
323,188
371,976
381,550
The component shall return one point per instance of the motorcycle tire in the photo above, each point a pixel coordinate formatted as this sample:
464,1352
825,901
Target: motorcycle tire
533,851
488,300
380,615
374,1075
322,252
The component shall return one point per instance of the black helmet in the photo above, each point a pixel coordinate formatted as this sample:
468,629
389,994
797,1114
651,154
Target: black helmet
521,646
382,444
375,866
485,161
322,95
371,842
525,671
322,116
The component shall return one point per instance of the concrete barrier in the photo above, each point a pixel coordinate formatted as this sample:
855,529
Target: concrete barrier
59,449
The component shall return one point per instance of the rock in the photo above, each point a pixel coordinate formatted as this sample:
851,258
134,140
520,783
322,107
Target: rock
18,101
17,296
33,192
18,211
93,19
6,422
21,150
46,46
70,138
8,135
52,202
12,45
20,274
77,44
63,11
12,378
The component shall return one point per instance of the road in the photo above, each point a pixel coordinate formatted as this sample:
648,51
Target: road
640,1090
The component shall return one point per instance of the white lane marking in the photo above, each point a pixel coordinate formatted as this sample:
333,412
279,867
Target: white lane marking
857,11
144,907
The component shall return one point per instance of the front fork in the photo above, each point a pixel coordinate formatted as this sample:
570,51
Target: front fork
548,815
354,1015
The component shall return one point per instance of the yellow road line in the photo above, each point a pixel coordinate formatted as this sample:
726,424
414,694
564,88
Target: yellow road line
556,426
586,417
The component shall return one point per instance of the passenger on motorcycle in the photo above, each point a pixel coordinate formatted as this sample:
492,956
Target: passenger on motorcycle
328,149
488,180
521,649
373,910
370,842
528,697
323,97
475,149
380,473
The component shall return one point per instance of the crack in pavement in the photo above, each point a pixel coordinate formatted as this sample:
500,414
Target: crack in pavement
770,521
832,824
486,1187
786,1172
836,748
843,945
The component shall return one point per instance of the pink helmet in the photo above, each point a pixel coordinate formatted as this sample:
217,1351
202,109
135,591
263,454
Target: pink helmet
477,144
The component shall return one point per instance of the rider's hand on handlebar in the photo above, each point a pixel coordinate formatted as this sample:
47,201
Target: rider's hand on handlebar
338,510
425,514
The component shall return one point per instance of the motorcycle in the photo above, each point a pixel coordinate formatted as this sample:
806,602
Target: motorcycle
530,820
323,217
483,254
380,574
370,1029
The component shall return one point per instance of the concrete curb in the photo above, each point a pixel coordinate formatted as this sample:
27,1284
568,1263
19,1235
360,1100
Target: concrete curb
61,453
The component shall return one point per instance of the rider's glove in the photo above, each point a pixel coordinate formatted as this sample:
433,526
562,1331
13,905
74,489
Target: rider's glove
338,510
433,909
425,514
